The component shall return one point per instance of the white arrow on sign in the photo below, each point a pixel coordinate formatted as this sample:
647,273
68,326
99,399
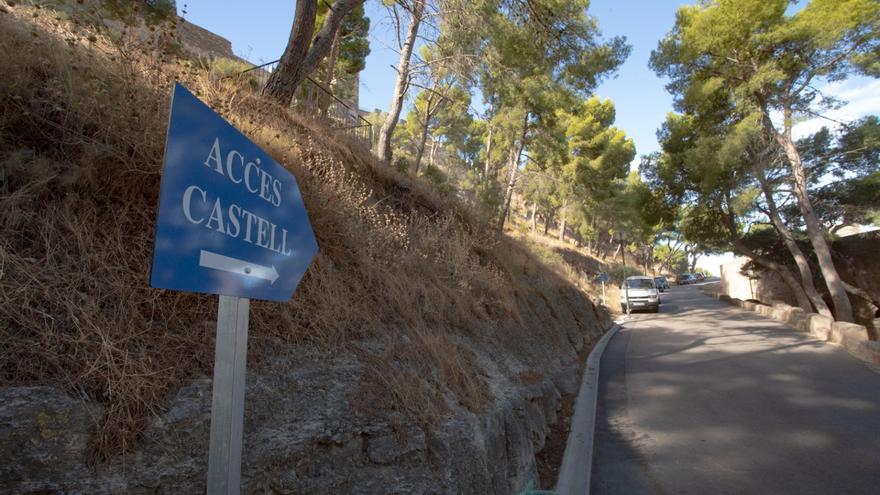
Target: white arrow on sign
216,261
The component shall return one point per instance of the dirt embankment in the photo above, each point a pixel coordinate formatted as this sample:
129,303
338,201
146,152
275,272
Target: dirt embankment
413,328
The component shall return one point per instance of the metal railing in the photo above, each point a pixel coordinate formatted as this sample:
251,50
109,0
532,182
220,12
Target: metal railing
313,99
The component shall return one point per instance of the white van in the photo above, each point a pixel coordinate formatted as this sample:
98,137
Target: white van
639,293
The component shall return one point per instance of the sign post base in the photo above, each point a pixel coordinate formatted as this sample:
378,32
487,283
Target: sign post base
227,401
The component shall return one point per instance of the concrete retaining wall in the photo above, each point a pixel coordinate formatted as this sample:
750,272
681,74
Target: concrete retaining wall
768,287
862,268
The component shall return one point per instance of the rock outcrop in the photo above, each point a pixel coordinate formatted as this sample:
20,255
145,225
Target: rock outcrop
302,434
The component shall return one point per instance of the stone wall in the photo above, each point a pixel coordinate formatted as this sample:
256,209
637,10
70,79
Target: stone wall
769,287
305,431
203,43
860,264
856,260
195,40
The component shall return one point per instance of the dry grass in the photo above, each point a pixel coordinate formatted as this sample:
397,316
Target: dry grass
575,265
82,126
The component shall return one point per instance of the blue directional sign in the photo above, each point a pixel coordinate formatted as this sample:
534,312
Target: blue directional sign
231,219
603,277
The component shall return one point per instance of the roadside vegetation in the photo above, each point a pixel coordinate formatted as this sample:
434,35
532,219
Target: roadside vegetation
732,174
401,265
450,228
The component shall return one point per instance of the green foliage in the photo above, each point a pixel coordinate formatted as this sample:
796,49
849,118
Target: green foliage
706,226
535,48
353,46
844,170
742,73
854,200
545,253
453,119
223,67
703,179
536,64
617,272
577,171
599,153
437,177
353,43
673,258
855,151
405,141
753,52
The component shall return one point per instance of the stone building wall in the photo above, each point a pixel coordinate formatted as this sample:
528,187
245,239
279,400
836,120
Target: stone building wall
203,43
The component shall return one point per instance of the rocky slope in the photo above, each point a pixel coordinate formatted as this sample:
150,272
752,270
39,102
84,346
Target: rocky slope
422,353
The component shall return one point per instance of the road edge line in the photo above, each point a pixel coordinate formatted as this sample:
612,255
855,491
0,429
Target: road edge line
577,460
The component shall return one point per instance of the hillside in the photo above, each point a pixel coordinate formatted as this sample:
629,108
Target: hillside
417,335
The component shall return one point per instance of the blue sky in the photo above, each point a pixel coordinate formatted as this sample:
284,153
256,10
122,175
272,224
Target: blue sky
638,94
259,31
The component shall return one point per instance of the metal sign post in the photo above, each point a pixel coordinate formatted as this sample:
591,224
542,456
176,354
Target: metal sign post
227,399
603,277
231,222
625,285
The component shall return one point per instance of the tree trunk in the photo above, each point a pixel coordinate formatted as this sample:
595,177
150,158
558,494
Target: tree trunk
625,295
687,258
383,149
842,306
513,165
815,232
672,250
872,298
424,137
603,247
546,224
487,166
562,222
331,68
802,300
303,54
859,292
288,75
790,280
433,152
799,258
693,266
534,218
594,237
421,149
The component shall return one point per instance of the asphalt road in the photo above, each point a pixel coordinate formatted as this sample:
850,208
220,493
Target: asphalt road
706,399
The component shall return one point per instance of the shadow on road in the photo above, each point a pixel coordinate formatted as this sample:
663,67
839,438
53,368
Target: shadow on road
705,398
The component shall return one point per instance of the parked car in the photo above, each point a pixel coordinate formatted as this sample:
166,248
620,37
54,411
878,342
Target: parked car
684,279
661,283
699,276
639,293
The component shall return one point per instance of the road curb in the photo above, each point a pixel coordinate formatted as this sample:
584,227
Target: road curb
577,461
852,337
